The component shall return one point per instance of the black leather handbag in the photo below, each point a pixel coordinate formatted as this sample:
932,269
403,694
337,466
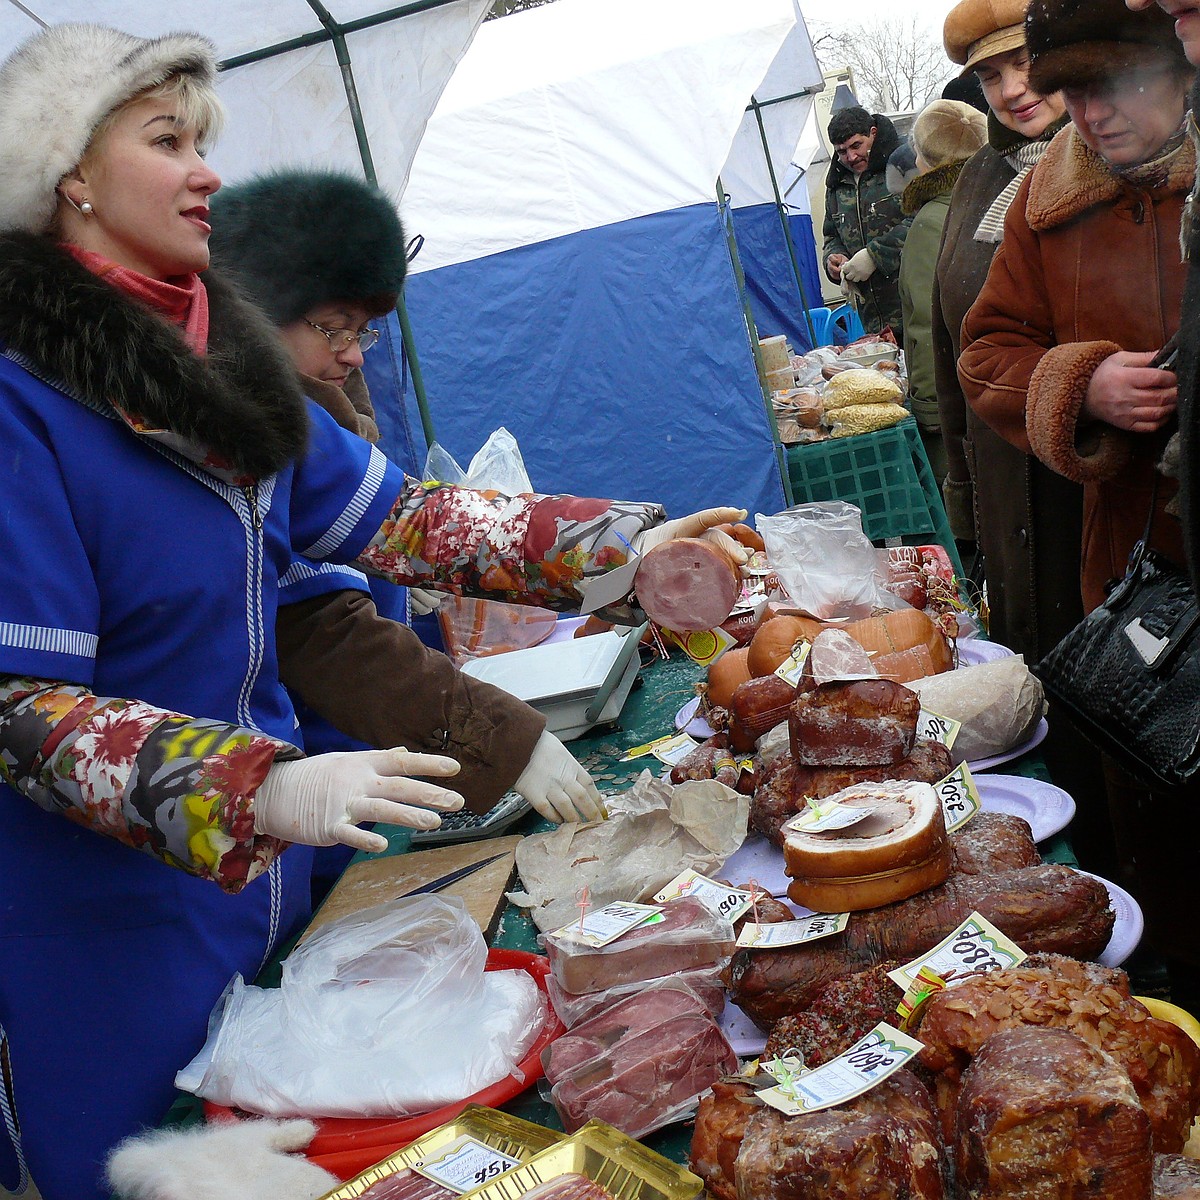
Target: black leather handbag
1129,673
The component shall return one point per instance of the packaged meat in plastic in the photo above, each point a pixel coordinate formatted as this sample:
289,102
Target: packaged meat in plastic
704,981
628,1017
687,935
657,1052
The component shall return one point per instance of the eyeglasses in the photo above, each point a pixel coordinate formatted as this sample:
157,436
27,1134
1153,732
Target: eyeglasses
341,340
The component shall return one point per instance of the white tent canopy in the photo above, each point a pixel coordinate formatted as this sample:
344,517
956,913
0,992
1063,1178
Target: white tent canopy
292,108
557,117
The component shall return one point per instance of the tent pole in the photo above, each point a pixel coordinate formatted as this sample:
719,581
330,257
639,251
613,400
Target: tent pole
748,319
781,211
338,37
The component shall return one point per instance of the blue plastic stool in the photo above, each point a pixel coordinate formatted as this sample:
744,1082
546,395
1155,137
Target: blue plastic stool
835,327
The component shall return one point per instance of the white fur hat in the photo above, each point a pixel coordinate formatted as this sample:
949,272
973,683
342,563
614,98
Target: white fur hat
57,87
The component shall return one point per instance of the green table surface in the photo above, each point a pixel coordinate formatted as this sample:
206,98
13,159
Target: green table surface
661,690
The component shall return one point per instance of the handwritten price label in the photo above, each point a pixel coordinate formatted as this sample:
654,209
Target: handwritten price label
670,744
466,1164
719,898
974,947
871,1059
822,816
937,728
609,923
959,797
791,933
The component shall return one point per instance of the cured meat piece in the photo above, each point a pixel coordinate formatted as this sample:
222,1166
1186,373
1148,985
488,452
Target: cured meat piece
1045,907
630,1017
866,723
758,705
1161,1061
572,1010
881,1145
721,1120
841,1012
688,936
899,850
782,792
687,584
407,1184
1043,1114
709,760
642,1080
569,1186
836,655
991,842
1176,1177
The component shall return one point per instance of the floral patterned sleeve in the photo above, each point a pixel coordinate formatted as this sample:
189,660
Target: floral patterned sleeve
528,549
172,786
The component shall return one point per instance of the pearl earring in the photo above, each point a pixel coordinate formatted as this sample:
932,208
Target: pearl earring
86,208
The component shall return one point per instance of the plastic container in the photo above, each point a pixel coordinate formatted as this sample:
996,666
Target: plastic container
346,1147
510,1135
624,1168
641,1064
571,1010
688,936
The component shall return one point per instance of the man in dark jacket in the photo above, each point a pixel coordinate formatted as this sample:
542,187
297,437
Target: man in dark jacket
864,227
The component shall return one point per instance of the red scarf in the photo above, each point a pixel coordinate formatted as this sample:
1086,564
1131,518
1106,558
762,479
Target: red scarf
182,301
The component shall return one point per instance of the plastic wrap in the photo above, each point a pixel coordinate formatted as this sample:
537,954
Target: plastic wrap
572,1009
385,1013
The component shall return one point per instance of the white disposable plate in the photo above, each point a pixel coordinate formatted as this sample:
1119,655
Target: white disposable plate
686,721
973,651
1047,808
1127,931
995,760
758,860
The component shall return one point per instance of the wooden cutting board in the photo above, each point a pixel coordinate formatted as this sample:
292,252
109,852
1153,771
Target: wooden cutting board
377,880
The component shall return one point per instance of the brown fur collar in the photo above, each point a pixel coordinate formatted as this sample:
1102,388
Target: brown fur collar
1070,179
938,182
242,400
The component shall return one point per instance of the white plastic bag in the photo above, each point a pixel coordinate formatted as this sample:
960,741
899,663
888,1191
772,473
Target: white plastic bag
498,464
385,1013
824,560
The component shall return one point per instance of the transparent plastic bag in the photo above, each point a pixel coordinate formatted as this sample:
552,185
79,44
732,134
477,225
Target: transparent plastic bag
386,1013
473,628
826,563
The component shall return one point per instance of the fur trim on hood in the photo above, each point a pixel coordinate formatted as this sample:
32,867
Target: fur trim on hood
242,400
1070,179
296,240
938,182
57,86
886,140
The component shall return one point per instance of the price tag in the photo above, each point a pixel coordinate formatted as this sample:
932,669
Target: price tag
823,816
925,985
792,933
465,1164
938,728
672,743
959,797
792,667
719,898
974,947
606,924
702,646
871,1059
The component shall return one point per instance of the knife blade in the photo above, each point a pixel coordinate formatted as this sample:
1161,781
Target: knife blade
436,885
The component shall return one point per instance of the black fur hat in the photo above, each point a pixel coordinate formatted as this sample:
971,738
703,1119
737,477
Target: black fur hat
296,240
1076,42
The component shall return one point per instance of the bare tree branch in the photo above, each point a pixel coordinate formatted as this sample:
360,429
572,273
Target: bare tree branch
898,65
502,8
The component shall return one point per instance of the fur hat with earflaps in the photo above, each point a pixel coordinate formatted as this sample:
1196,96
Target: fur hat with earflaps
57,87
1076,42
298,239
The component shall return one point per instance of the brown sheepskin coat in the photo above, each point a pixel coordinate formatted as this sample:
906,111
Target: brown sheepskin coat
1089,265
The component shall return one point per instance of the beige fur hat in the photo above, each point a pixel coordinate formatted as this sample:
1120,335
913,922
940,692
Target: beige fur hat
57,86
977,29
948,131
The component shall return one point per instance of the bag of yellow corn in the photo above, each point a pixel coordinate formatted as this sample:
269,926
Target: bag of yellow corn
861,385
863,418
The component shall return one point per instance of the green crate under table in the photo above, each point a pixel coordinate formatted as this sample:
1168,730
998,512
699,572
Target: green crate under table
886,475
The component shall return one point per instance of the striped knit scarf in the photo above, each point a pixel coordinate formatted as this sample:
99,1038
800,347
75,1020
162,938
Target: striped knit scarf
1022,158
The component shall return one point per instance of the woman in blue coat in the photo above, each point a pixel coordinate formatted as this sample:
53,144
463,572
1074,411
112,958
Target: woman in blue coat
159,469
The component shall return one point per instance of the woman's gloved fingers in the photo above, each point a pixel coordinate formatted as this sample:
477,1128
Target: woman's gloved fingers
731,546
399,761
360,839
585,797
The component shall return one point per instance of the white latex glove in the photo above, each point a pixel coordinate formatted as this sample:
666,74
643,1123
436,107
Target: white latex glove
320,801
858,267
423,601
236,1160
557,786
698,525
